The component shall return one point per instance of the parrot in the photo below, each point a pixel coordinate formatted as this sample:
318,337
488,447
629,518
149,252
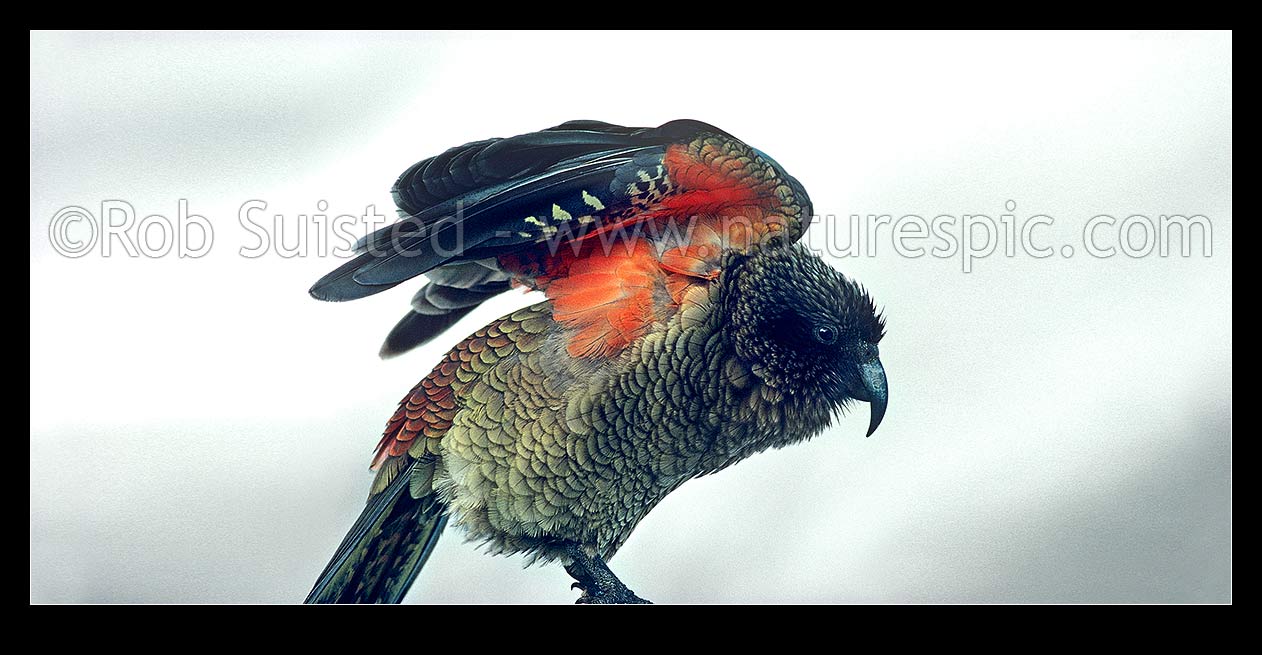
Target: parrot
684,328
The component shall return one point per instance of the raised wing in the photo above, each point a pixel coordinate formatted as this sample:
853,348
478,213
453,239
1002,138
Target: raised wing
528,209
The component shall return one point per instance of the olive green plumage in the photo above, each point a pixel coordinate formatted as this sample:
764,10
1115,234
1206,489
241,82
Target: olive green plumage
532,448
544,449
547,448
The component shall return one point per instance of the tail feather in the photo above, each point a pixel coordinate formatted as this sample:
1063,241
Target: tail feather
385,549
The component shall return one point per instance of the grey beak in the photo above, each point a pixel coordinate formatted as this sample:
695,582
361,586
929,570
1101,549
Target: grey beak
875,391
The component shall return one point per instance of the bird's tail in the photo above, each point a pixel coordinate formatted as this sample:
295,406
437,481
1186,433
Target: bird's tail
385,549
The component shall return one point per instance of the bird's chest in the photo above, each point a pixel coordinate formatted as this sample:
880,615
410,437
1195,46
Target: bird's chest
587,460
684,407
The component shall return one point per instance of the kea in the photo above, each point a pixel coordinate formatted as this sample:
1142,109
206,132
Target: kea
685,328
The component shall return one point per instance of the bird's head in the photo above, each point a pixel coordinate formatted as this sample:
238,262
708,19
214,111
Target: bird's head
807,330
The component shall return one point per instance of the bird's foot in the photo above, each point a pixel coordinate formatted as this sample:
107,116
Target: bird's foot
619,595
600,586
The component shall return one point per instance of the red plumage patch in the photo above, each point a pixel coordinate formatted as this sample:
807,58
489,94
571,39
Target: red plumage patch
427,411
604,290
607,299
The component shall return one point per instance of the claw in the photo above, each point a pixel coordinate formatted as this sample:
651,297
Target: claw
598,584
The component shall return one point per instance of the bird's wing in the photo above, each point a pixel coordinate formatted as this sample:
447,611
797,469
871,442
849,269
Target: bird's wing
548,209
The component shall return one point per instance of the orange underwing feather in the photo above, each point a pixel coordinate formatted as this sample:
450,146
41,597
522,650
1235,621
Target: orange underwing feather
607,299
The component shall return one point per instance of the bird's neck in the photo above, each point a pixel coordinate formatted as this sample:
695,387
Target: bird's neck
750,415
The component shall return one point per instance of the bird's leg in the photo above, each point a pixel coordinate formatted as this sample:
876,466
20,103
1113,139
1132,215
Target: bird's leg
600,586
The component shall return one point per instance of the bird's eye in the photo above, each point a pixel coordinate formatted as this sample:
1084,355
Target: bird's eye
825,333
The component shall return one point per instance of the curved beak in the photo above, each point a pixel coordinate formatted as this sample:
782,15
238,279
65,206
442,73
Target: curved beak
875,391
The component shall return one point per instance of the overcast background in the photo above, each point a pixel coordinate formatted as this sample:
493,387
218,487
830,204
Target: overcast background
1059,429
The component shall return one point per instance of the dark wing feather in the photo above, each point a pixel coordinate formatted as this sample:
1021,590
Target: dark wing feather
492,161
435,308
475,202
340,285
416,329
502,215
481,192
